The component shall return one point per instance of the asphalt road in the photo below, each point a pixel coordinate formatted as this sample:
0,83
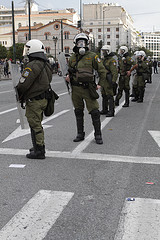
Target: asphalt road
98,178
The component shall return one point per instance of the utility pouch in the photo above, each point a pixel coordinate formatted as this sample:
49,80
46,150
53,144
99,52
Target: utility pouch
84,75
51,96
92,90
145,76
109,78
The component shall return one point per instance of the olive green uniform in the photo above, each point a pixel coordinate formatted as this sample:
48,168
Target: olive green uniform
125,63
107,92
142,71
33,84
81,70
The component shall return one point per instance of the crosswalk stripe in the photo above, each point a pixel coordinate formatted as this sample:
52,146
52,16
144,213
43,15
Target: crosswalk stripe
36,218
86,156
140,219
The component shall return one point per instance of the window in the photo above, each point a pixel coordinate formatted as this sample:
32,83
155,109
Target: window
46,36
47,50
19,25
56,26
117,35
108,29
117,29
5,42
34,23
109,22
66,49
90,30
108,36
99,36
108,43
91,23
99,29
66,35
27,36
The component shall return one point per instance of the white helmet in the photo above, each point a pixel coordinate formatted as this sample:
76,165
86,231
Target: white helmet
105,50
142,53
122,50
33,46
81,36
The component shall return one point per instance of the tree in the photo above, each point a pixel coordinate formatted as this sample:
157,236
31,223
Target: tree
3,52
19,51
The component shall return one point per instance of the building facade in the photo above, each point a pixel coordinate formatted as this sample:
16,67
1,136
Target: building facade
56,36
151,41
110,24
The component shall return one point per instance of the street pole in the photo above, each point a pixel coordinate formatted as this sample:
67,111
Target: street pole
13,30
29,19
81,15
103,25
61,35
55,39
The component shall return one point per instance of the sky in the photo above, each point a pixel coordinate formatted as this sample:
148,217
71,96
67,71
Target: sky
145,13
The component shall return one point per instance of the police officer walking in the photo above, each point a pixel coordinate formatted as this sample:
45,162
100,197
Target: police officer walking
110,86
125,62
81,67
32,89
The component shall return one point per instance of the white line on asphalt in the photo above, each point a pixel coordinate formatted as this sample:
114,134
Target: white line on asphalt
36,218
86,156
156,136
90,137
19,132
140,220
7,91
9,110
17,166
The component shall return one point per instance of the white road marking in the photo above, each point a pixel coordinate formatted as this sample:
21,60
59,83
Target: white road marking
140,220
86,156
17,166
90,137
156,136
36,218
9,110
19,132
6,91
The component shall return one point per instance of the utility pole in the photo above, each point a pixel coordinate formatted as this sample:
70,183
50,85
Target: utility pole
13,30
81,15
61,35
29,18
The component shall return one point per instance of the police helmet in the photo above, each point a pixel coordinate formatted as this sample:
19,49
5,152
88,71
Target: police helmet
123,50
142,53
33,46
81,36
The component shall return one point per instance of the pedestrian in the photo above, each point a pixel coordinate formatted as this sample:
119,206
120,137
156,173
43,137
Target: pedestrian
32,89
110,86
6,68
81,67
124,64
155,66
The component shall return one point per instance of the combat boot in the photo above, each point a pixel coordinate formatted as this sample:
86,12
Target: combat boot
111,107
95,115
104,105
38,153
126,99
80,125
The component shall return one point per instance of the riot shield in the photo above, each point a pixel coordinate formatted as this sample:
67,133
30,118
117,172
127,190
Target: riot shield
64,67
15,75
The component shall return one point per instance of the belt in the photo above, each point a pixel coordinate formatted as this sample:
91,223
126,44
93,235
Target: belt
39,97
80,84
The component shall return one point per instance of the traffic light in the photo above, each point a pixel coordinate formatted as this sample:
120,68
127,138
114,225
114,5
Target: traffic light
79,24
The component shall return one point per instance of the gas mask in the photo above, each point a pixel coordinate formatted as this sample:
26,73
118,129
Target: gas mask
81,45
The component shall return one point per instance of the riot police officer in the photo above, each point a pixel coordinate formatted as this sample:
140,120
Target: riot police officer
81,67
142,71
110,86
124,63
32,89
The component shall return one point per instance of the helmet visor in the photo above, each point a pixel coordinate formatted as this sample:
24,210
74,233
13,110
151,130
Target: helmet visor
26,50
81,43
